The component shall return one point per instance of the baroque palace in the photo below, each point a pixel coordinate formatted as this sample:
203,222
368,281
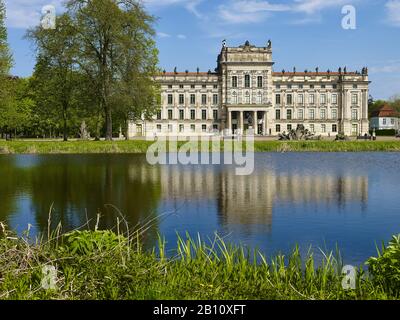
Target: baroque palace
245,93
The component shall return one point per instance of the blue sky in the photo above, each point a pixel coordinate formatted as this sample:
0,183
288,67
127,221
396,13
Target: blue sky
304,33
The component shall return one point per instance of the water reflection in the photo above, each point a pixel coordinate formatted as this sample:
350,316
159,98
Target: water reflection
290,198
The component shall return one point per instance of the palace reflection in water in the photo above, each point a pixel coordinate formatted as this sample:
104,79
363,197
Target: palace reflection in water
289,198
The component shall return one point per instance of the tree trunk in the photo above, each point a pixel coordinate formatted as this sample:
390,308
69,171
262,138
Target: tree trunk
65,133
109,131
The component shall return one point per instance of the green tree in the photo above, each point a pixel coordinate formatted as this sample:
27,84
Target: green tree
56,77
116,51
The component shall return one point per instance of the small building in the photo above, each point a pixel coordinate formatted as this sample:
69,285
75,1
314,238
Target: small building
386,118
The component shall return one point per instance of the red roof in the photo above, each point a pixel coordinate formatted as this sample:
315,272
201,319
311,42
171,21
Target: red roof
386,111
275,73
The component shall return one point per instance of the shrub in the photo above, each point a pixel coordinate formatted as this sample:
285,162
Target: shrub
385,268
385,133
87,242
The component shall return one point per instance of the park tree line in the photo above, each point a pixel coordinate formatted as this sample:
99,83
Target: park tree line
97,67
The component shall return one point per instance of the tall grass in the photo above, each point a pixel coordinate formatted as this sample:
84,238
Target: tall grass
112,265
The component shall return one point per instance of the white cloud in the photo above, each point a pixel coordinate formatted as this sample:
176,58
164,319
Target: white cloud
245,11
313,6
393,67
393,12
23,14
181,36
163,35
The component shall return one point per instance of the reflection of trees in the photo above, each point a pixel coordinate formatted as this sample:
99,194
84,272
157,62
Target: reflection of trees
79,187
13,181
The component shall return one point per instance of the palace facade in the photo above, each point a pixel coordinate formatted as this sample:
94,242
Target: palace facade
245,93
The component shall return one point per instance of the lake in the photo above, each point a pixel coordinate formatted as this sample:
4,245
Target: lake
351,200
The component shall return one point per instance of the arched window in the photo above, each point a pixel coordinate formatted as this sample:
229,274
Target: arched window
234,98
259,98
247,98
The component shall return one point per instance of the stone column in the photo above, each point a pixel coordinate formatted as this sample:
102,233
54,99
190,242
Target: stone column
241,118
255,125
230,122
265,123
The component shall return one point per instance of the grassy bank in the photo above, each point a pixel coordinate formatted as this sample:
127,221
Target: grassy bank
102,265
79,147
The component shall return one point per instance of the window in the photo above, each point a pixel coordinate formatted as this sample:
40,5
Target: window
312,98
289,114
192,86
312,114
300,99
193,114
278,114
159,128
278,99
323,86
323,98
289,99
323,114
170,99
334,86
170,114
334,128
159,115
384,121
259,81
289,127
192,128
181,114
203,99
354,98
300,86
204,114
215,99
170,128
215,86
181,86
311,86
334,99
204,86
234,98
181,128
278,128
312,128
323,128
289,86
170,86
215,114
215,127
234,82
300,114
392,121
247,81
278,86
259,98
247,98
355,86
354,114
334,114
181,99
192,99
204,128
354,129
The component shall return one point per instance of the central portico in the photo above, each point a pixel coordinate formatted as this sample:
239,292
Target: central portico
247,87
